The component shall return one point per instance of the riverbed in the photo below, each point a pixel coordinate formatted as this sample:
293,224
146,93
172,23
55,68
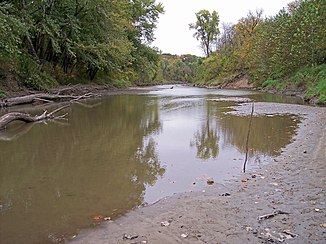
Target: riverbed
123,152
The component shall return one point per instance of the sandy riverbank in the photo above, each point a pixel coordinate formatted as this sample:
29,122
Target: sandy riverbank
293,183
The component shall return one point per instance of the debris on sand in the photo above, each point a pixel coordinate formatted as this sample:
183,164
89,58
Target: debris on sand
165,223
267,216
210,181
129,237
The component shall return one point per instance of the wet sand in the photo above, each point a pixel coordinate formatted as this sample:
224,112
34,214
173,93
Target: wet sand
293,185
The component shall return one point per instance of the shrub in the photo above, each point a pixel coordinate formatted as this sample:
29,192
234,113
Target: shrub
121,83
31,76
317,91
270,83
309,75
2,94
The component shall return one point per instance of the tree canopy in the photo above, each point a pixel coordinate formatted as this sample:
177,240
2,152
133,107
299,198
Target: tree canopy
48,40
284,50
206,29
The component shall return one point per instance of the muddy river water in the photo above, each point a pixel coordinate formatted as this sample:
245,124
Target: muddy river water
120,152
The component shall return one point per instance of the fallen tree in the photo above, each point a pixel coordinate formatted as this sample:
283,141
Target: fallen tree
42,97
27,118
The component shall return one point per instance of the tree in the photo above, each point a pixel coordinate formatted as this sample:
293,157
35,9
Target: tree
245,30
289,41
207,30
11,32
143,17
179,68
63,39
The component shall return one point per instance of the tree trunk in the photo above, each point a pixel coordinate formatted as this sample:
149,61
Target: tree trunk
44,97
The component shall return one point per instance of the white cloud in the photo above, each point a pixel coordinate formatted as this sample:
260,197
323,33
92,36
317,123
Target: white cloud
173,34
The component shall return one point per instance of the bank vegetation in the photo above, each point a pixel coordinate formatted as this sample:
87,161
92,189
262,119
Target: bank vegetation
46,43
282,52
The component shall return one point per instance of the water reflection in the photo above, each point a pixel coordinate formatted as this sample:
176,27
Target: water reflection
56,178
15,132
122,152
268,134
206,139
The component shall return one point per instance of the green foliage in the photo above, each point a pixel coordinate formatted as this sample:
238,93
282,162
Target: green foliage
318,91
310,79
31,76
176,68
315,80
121,83
145,14
145,66
290,40
275,84
2,94
286,50
206,29
231,58
79,39
11,32
270,83
309,75
39,81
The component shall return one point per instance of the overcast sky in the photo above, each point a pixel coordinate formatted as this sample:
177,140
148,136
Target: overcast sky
173,34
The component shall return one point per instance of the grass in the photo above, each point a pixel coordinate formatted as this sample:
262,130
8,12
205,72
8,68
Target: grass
317,91
314,80
2,94
270,83
310,80
277,84
121,83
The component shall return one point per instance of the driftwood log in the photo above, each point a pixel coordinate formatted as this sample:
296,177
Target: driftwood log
38,97
27,118
42,97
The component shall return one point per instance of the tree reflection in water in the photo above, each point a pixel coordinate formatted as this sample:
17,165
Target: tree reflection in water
55,179
267,135
207,141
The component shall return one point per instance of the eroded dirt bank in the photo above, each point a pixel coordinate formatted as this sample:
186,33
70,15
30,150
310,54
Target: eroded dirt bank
293,183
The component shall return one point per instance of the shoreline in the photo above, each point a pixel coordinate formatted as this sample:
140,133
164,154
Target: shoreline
294,184
99,90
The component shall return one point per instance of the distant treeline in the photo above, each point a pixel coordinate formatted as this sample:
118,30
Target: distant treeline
179,68
43,42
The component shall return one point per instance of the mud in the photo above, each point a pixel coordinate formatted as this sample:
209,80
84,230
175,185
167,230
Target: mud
292,184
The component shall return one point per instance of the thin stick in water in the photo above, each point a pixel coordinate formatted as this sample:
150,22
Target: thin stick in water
247,139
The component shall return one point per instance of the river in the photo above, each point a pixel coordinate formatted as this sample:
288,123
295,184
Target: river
120,152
